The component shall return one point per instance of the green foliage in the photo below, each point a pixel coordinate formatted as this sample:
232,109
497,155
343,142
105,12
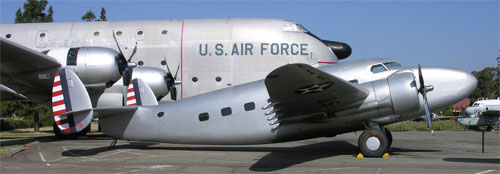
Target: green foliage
103,15
446,112
89,16
25,111
488,85
421,126
14,124
12,109
34,12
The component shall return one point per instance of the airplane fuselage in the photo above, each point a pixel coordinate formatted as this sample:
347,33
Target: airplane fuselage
210,53
238,115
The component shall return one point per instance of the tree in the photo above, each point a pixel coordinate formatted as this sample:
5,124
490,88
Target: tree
103,15
89,16
488,85
34,12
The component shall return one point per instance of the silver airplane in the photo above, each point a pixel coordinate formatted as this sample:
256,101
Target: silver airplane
481,113
195,55
294,102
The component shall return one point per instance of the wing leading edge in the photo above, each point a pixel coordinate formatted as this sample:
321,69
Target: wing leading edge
302,90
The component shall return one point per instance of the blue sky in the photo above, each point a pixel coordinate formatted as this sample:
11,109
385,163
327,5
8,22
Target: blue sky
459,34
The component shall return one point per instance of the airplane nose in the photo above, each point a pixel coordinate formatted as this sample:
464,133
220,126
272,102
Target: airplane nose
450,86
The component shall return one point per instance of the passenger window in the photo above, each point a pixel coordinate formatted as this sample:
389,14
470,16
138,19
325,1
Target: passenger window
249,106
378,68
226,111
203,116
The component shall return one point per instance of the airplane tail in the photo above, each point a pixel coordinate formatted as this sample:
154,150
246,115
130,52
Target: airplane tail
70,102
139,93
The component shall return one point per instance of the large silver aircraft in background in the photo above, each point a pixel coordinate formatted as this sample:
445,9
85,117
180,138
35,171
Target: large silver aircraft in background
294,102
196,55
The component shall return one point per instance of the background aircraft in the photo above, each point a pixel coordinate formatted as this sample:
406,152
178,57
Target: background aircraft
481,113
226,52
168,54
293,102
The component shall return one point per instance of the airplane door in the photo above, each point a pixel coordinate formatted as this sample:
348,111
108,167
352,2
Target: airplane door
42,38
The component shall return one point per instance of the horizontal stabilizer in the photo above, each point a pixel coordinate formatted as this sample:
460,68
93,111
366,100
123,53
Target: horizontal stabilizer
110,112
70,102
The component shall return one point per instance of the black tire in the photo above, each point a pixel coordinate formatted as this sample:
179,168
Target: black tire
389,137
60,135
373,143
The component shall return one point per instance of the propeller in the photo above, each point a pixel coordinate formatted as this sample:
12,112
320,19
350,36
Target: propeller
125,66
423,90
172,80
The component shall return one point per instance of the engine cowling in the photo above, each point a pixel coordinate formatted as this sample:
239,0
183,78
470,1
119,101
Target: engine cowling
156,78
97,67
389,98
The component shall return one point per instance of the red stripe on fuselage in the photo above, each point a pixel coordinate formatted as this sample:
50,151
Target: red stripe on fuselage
328,62
182,39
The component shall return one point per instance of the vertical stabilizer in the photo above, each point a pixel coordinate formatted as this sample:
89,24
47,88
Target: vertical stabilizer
139,93
71,104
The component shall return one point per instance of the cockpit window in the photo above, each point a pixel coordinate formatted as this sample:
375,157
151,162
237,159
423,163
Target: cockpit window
378,68
292,26
391,65
475,104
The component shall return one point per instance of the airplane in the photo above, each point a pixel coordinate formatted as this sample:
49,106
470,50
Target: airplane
209,54
434,117
293,102
481,113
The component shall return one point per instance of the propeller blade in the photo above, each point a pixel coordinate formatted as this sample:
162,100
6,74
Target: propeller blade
116,41
175,77
421,78
173,93
133,53
423,91
428,119
166,64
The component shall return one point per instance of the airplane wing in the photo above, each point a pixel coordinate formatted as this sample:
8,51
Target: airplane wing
25,72
301,90
492,113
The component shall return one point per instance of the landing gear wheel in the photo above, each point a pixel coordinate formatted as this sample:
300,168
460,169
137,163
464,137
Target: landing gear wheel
61,135
372,142
389,137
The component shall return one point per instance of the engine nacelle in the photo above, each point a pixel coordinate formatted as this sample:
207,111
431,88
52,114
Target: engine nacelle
97,67
396,95
404,92
156,78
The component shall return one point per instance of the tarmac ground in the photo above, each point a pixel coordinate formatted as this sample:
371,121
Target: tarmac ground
411,152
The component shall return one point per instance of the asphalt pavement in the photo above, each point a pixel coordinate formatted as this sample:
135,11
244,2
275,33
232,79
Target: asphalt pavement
411,152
